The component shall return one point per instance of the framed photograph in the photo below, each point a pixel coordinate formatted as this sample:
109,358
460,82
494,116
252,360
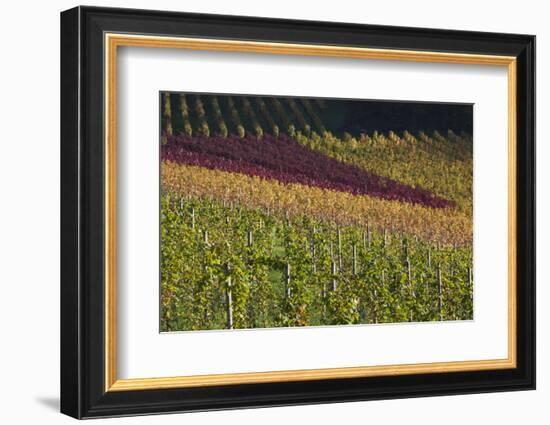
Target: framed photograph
261,212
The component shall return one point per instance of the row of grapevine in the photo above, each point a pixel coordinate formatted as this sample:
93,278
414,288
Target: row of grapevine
184,108
298,116
166,114
314,116
267,116
444,167
218,117
443,164
286,160
275,115
204,129
228,266
251,117
287,115
282,116
235,117
446,225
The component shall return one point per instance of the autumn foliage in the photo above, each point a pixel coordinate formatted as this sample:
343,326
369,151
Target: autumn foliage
270,217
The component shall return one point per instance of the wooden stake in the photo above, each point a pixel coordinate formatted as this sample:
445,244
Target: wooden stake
375,320
333,272
339,249
354,260
287,281
440,290
411,289
324,295
229,304
313,251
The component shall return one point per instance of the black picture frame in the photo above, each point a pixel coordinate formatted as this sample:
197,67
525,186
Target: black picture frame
83,392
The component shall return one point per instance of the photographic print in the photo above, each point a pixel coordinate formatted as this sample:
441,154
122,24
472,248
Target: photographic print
294,211
312,214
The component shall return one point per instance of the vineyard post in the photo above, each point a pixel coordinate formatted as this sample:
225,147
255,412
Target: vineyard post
250,238
287,280
440,290
229,304
382,283
375,310
333,272
354,260
206,236
192,218
429,255
385,237
409,282
339,233
313,251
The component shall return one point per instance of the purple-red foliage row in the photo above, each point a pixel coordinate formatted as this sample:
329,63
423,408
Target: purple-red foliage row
286,160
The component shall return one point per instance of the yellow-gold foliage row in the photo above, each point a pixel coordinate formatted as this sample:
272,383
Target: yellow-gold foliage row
446,226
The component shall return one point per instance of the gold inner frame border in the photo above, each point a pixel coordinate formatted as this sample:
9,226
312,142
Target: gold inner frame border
113,40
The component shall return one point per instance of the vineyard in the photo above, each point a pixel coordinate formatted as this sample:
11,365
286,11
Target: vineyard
271,217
